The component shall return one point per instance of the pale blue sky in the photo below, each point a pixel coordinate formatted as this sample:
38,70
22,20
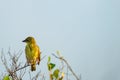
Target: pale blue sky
87,32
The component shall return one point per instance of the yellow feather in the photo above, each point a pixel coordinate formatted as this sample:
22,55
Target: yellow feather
32,52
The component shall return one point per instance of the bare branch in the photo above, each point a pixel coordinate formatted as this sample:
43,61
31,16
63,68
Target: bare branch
42,77
22,73
36,76
14,66
69,67
26,65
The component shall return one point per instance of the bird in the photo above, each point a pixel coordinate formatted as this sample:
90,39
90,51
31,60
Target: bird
32,52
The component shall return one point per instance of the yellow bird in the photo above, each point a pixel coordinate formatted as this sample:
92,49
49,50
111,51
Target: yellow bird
32,52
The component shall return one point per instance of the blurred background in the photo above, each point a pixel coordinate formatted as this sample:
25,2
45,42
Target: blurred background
86,32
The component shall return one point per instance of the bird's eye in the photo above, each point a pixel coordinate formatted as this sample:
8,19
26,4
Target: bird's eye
27,40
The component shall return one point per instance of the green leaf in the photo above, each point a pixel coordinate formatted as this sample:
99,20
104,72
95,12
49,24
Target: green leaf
49,58
56,73
51,66
6,78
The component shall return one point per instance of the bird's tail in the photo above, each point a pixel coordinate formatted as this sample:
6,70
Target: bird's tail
33,67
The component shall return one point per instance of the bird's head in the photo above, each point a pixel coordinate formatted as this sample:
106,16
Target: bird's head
29,40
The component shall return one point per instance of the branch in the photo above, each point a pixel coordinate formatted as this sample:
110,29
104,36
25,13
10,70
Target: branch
14,65
26,65
69,67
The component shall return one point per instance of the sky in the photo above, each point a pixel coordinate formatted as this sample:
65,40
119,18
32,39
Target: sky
86,32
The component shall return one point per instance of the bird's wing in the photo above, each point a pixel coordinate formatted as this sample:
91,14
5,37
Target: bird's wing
27,52
39,54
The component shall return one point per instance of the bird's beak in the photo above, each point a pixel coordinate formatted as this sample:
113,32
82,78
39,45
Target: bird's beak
24,41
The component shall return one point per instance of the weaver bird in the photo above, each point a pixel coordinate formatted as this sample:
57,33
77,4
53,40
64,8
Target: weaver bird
32,52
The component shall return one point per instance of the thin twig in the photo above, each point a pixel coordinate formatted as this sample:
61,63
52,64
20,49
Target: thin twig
26,65
12,71
61,58
36,76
